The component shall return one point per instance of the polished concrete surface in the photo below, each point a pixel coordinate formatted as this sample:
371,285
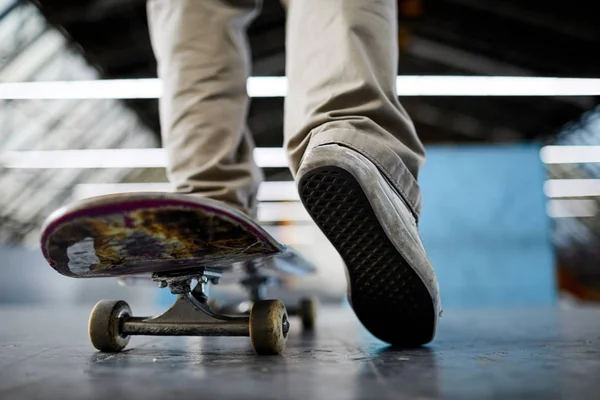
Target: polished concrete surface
528,354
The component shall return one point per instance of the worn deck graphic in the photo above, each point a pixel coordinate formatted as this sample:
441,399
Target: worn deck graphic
129,234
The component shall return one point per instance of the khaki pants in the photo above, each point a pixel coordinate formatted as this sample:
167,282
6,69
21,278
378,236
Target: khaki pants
341,65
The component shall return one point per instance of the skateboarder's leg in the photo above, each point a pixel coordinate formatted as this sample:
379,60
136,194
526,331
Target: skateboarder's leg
203,60
341,64
356,156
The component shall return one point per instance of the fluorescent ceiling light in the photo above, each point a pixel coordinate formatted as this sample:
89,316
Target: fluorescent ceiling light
94,89
572,187
496,86
570,154
268,191
572,208
278,201
276,86
116,158
295,234
87,190
280,212
265,158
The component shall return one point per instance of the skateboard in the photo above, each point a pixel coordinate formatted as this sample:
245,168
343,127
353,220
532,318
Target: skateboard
183,243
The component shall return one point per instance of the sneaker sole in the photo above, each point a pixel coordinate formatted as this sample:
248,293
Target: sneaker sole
387,295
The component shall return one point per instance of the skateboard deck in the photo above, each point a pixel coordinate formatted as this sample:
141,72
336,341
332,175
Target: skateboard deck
174,240
137,234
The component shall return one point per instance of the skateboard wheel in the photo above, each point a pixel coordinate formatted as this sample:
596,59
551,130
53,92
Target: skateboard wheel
269,326
105,325
307,310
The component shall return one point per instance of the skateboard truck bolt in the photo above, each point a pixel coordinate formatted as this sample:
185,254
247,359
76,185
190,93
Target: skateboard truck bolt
285,326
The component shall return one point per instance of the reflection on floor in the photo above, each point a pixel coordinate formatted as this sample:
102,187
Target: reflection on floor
547,354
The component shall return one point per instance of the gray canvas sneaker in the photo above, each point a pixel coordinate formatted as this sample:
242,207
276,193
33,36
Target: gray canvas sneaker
392,286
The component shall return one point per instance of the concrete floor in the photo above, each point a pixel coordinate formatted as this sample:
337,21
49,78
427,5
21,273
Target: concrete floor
529,354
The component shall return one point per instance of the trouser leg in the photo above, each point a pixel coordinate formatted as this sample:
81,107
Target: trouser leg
204,61
342,63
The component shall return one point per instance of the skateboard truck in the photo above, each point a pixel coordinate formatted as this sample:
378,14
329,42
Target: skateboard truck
111,323
256,285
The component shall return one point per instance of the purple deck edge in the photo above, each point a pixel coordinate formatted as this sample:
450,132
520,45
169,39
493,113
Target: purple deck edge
124,205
